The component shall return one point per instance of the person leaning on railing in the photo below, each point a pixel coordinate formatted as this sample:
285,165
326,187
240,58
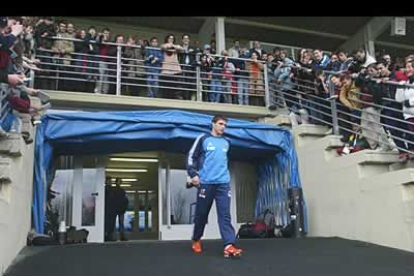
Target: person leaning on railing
349,96
284,83
392,113
135,56
371,98
406,97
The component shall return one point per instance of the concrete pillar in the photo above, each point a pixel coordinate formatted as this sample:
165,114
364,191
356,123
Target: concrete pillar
220,35
206,31
367,35
369,41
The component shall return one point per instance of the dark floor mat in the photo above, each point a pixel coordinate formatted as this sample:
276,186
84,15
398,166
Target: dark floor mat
280,257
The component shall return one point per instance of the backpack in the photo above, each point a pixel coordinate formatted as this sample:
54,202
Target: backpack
268,219
263,227
252,230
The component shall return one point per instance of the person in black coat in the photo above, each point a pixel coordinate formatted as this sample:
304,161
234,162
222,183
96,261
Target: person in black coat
110,214
121,205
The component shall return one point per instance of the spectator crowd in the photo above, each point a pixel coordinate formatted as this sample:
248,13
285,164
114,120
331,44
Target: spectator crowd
86,60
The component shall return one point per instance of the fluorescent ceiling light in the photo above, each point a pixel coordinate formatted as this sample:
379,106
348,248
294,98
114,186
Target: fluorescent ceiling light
126,170
130,192
125,179
122,185
148,160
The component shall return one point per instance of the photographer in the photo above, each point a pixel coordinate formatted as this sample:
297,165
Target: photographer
205,65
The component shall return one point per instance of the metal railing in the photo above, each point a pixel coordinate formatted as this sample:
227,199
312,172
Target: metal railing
123,75
4,105
381,123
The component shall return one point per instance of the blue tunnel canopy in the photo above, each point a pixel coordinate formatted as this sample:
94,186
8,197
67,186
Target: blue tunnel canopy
72,133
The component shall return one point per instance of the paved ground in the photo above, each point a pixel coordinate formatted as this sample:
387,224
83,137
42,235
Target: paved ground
276,257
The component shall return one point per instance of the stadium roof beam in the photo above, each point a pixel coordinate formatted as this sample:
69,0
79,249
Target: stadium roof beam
367,34
395,45
282,28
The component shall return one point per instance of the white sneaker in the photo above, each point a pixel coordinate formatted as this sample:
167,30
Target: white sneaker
3,134
46,106
43,96
383,149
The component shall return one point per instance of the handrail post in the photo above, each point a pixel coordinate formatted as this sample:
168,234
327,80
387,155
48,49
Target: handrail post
199,96
335,126
32,73
267,92
118,70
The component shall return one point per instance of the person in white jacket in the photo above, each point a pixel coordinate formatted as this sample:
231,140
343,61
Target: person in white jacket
406,97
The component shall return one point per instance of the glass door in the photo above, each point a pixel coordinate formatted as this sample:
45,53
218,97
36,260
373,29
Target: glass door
89,195
178,202
141,217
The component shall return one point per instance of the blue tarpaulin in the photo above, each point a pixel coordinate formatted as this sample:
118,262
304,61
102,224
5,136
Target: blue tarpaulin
84,133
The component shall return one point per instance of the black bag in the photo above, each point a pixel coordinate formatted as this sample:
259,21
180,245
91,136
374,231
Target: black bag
77,236
42,240
245,231
288,231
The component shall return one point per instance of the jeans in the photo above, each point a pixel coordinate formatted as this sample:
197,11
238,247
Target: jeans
102,86
215,90
243,90
152,85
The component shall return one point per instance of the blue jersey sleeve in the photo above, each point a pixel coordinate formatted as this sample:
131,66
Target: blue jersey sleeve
194,156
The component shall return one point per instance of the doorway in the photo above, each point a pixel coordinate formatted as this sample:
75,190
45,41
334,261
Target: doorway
138,177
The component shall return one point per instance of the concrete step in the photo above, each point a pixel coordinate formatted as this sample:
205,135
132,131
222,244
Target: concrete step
5,170
334,142
378,157
402,165
376,163
312,130
12,145
280,120
307,134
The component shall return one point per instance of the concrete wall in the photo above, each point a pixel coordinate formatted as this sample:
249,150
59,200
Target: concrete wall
16,168
364,196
